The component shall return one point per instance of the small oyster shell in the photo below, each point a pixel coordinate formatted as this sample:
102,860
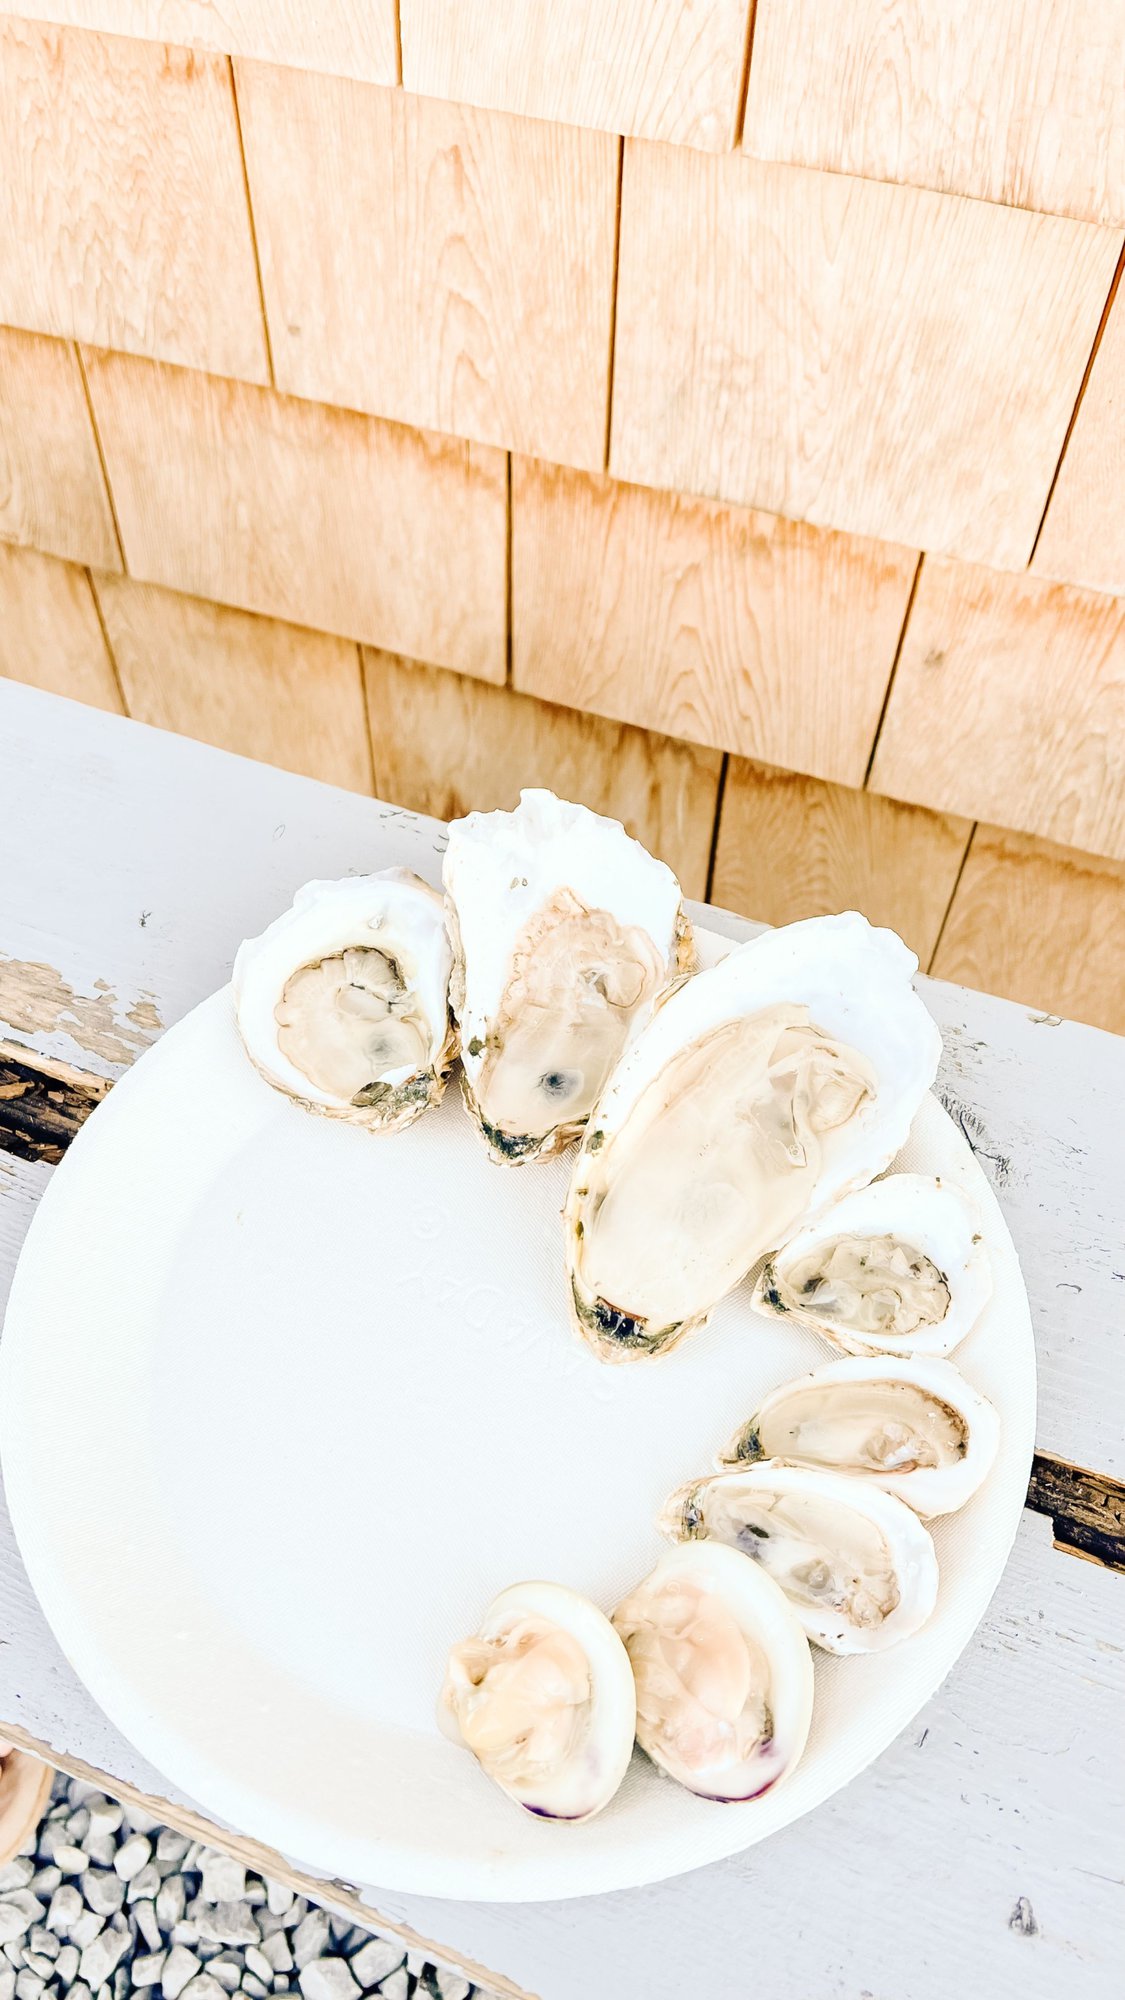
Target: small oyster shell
914,1427
343,1001
566,933
761,1091
723,1672
543,1697
900,1267
856,1564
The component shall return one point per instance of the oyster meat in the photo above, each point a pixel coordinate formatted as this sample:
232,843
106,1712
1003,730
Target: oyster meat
343,1001
856,1564
565,935
896,1268
723,1672
761,1091
543,1697
915,1427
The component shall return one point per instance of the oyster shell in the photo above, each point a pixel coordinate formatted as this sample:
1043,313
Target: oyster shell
900,1267
762,1090
723,1672
915,1427
857,1565
543,1697
342,1002
565,935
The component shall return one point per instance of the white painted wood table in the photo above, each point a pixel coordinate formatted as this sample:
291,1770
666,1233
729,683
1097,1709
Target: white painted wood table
984,1851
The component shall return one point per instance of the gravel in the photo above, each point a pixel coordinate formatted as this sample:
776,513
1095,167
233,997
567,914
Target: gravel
104,1904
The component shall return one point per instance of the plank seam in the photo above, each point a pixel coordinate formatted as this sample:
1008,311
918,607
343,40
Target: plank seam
112,504
613,304
100,616
1106,309
398,44
508,538
366,716
932,960
911,595
712,856
744,80
253,225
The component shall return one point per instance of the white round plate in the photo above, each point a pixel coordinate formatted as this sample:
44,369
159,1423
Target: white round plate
332,1396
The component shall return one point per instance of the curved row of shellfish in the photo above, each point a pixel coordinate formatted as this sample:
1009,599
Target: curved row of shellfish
733,1122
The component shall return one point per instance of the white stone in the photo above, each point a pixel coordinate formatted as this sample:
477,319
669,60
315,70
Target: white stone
121,1983
79,1991
45,1881
375,1959
52,1834
105,1814
180,1966
145,1883
43,1968
43,1941
66,1966
203,1987
72,1860
224,1878
104,1892
78,1825
279,1898
146,1971
145,1918
194,1850
227,1970
28,1985
139,1821
66,1908
13,1952
452,1986
16,1874
80,1791
185,1932
276,1952
227,1923
258,1989
101,1848
310,1936
254,1894
86,1928
327,1979
132,1856
397,1987
7,1981
102,1955
170,1901
171,1846
13,1922
259,1964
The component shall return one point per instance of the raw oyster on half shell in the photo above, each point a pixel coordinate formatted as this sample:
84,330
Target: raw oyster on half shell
343,1001
900,1267
856,1564
543,1696
762,1090
723,1672
565,934
915,1427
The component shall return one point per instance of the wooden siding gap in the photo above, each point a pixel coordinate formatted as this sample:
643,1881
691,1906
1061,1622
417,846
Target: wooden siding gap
952,896
613,305
107,641
744,86
398,43
894,666
508,646
250,214
81,360
720,792
366,717
1106,310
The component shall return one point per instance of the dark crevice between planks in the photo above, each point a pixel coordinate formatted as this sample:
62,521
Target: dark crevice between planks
1082,387
43,1103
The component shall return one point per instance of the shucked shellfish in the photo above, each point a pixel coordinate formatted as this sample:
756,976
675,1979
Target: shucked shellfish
543,1697
900,1267
761,1091
723,1672
565,934
343,1001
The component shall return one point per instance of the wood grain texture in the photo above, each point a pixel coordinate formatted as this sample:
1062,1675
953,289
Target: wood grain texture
49,631
52,492
1041,924
1009,705
790,847
123,213
447,267
348,37
877,358
42,1104
1017,101
446,745
267,690
1083,536
307,513
709,622
658,69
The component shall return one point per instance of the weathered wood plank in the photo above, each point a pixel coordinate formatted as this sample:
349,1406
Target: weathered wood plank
52,491
348,37
43,1103
1087,1512
447,267
882,359
1083,537
50,635
123,212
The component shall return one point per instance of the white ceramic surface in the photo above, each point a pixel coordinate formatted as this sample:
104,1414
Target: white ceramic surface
333,1403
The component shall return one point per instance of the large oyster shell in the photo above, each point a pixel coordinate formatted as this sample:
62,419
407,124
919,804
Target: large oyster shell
856,1563
565,935
914,1427
343,1001
900,1267
761,1091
